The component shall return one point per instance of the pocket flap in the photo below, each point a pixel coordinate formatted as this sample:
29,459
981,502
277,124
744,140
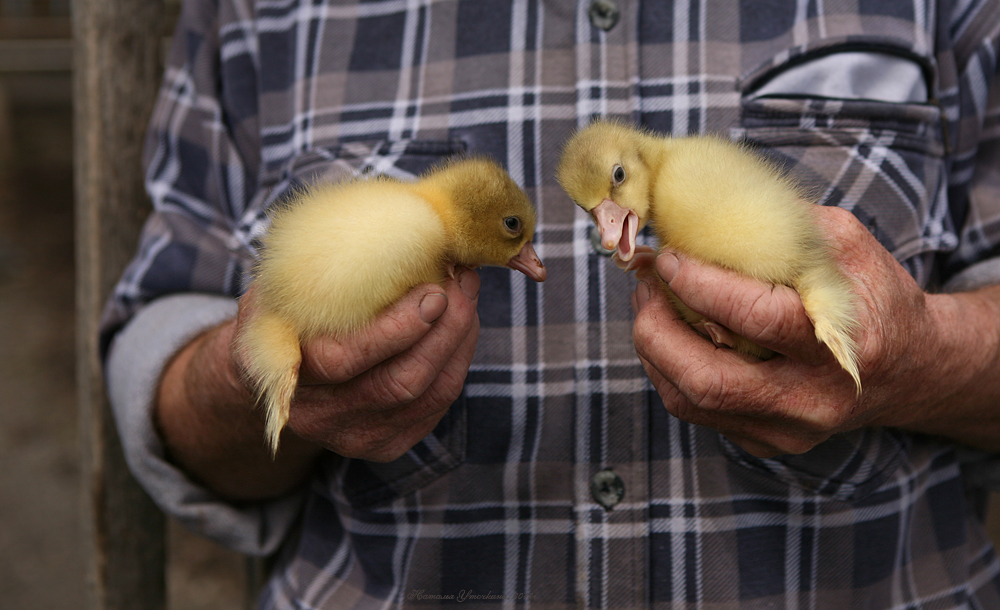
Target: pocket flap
845,467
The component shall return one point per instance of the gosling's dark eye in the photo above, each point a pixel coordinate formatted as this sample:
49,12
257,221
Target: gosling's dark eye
513,224
618,175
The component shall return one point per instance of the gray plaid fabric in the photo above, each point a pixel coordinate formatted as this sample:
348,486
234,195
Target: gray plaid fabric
495,508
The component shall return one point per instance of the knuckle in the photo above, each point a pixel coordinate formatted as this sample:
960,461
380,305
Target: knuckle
449,391
840,221
844,229
364,443
764,318
795,445
305,427
398,390
402,384
683,409
640,332
394,324
755,319
836,212
440,397
329,359
753,442
824,420
643,323
644,330
702,386
350,447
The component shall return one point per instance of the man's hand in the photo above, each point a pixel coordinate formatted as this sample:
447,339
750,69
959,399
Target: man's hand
372,395
375,394
920,354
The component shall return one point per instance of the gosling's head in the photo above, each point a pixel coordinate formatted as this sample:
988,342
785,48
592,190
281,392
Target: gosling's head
494,221
604,170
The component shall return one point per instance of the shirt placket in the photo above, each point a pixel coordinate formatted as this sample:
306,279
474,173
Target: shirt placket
611,480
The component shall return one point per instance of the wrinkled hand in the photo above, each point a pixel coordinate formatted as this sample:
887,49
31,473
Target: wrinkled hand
375,394
801,396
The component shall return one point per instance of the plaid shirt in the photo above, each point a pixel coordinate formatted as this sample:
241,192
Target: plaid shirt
499,505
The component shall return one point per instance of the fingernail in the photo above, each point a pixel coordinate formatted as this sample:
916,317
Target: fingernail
468,281
720,336
432,306
641,295
666,266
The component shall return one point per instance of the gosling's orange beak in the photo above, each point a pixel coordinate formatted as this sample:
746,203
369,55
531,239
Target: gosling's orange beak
528,263
618,227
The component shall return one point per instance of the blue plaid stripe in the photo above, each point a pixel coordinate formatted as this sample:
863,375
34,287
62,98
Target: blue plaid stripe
497,500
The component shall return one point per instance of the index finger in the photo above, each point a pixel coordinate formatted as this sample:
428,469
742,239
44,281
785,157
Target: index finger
331,359
708,376
770,315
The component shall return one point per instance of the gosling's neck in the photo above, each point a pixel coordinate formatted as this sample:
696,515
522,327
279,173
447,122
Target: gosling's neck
653,152
656,152
453,214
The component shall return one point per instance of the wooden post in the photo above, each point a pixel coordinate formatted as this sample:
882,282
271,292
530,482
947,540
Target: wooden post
117,73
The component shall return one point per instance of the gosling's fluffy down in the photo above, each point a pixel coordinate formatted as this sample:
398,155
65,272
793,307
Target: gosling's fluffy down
339,254
718,202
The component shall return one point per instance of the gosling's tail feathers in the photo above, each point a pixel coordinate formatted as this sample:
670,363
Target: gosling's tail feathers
274,356
830,304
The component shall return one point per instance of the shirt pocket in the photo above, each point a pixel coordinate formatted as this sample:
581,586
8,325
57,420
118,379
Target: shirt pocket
845,467
363,484
404,159
883,161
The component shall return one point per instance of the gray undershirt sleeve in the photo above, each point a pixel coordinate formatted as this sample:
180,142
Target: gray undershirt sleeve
136,361
980,275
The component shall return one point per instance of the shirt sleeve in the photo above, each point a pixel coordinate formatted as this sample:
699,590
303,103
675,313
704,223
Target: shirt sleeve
202,172
975,168
201,158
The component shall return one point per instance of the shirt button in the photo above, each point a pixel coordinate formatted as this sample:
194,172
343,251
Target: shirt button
607,488
595,242
603,14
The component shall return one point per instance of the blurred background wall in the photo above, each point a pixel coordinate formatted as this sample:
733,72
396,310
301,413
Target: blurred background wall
41,559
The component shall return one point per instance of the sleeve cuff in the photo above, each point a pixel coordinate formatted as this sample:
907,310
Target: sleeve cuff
137,358
981,274
980,468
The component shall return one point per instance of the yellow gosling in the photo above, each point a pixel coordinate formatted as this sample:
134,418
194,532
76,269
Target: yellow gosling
339,254
718,202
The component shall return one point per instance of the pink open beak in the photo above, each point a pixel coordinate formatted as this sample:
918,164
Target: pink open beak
528,263
618,227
